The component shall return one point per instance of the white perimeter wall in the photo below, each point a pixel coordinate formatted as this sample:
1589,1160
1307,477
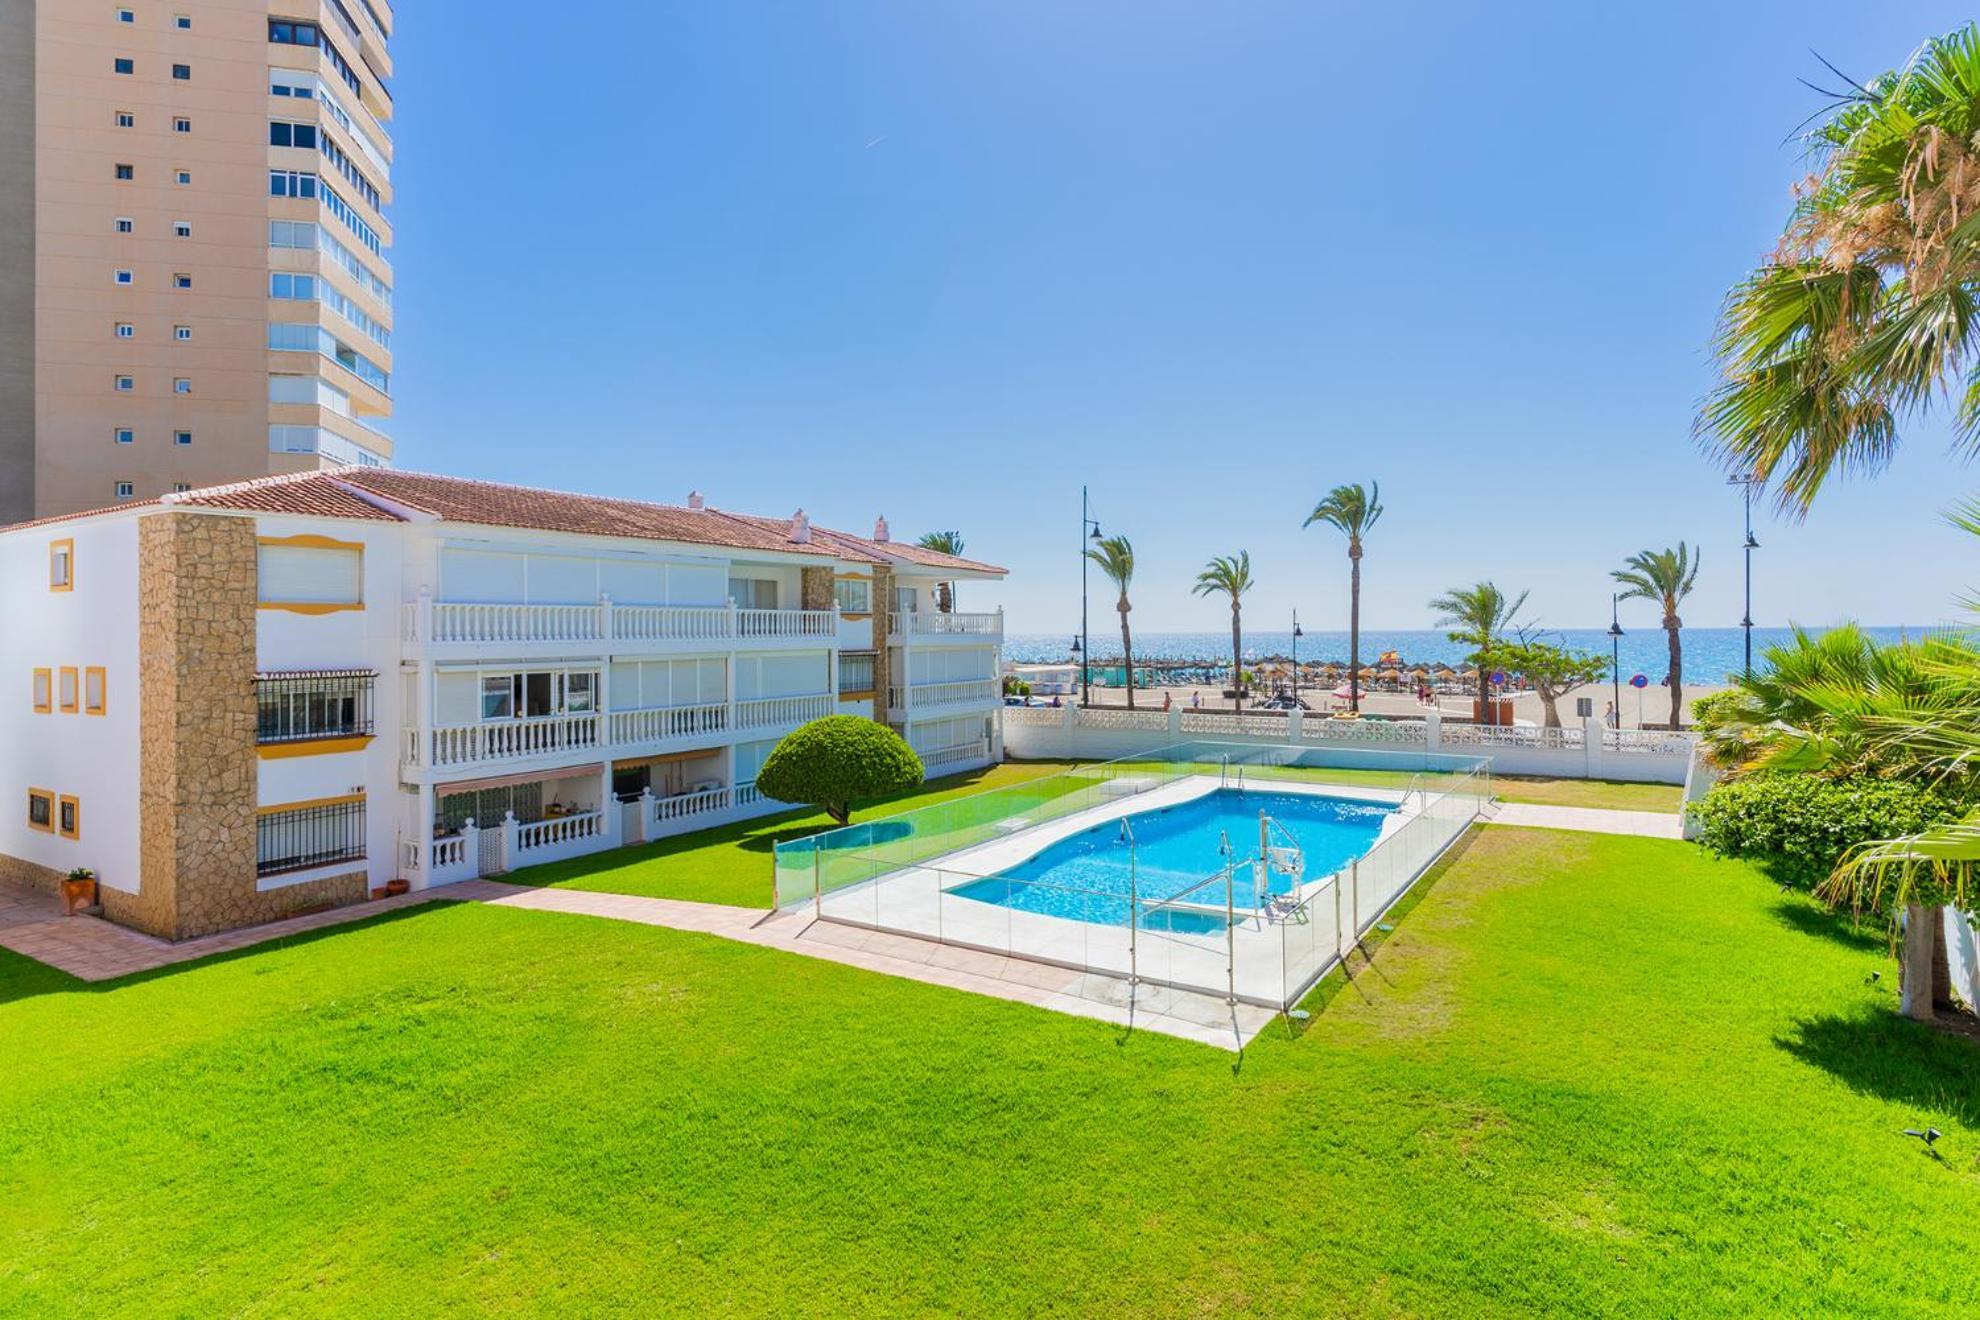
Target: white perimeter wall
93,758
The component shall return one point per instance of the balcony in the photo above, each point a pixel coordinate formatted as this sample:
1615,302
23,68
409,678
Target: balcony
453,624
546,740
929,698
926,626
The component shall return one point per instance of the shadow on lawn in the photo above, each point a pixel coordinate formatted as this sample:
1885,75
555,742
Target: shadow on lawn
1863,935
21,977
1879,1053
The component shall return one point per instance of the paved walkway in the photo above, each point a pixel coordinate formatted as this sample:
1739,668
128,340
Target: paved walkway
1594,820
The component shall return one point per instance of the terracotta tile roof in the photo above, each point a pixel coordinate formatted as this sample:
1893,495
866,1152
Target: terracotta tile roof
341,494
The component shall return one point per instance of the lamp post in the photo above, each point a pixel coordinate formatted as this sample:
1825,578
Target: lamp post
1088,530
1746,481
1297,634
1615,656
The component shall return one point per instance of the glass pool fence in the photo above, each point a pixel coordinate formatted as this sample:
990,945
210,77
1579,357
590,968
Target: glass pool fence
1223,933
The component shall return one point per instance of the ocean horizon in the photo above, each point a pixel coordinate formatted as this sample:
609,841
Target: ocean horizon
1710,654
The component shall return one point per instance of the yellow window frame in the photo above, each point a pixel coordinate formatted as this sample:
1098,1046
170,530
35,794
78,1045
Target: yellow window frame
68,689
41,691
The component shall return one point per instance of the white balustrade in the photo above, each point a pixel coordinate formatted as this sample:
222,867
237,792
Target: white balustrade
821,624
772,712
455,621
508,740
463,622
449,852
555,832
682,805
672,623
960,754
929,624
663,723
920,696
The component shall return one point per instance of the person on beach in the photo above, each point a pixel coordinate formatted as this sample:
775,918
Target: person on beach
1609,715
1168,700
1196,701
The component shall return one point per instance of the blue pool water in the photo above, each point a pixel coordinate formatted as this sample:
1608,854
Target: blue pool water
1085,876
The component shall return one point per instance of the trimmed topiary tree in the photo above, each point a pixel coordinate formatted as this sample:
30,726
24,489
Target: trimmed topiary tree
837,761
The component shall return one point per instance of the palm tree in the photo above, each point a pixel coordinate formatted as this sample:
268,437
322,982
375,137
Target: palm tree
1115,556
1666,577
1865,312
1478,616
1230,575
1354,512
944,543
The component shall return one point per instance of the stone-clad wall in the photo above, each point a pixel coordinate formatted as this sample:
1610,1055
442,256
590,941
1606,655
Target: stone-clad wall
19,873
815,589
196,736
883,614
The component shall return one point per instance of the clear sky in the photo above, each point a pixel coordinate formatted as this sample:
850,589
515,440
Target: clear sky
948,261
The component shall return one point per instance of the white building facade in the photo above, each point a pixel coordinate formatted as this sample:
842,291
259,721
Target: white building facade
355,678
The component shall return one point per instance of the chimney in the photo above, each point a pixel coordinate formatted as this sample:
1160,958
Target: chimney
800,528
880,529
695,501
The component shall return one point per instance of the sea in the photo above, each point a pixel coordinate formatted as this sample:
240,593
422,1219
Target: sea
1710,654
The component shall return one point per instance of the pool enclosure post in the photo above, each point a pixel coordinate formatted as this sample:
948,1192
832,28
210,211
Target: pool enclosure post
1263,874
817,883
1134,914
1230,934
1354,878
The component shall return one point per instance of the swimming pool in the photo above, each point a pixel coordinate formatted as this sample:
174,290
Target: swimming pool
1084,877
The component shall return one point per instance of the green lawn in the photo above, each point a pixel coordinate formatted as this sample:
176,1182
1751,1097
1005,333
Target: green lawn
1585,1076
732,863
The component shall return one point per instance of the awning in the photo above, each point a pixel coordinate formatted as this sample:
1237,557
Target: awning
508,781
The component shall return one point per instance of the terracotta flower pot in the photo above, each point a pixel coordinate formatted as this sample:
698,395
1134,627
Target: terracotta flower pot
394,887
77,895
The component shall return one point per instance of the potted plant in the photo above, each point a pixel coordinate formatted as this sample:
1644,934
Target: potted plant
78,890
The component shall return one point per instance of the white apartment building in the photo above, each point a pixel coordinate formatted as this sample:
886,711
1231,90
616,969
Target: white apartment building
245,701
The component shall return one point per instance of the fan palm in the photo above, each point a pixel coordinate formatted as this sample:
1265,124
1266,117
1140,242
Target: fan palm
1478,616
1115,556
944,543
1230,575
1867,310
1666,577
1354,512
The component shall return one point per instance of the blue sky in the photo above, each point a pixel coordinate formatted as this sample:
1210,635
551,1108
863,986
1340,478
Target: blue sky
947,262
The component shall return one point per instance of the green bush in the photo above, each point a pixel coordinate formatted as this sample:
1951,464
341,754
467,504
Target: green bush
837,761
1800,826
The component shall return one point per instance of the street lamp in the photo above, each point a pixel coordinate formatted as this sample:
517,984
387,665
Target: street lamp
1615,655
1088,530
1746,481
1297,634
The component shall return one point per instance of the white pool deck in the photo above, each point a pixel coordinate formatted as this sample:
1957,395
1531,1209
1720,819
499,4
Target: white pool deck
1260,958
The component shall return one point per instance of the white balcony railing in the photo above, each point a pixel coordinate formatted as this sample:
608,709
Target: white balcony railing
922,696
928,624
645,726
510,740
554,831
961,754
453,622
773,712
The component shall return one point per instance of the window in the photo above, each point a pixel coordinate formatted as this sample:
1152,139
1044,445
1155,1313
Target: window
853,595
182,385
67,686
183,72
96,690
125,330
907,600
182,228
182,176
311,574
282,133
126,172
122,277
41,810
579,693
178,486
125,119
181,280
855,672
44,691
303,705
124,435
183,22
182,332
61,565
125,225
126,16
301,287
182,437
754,593
498,697
68,817
182,125
125,384
125,490
124,65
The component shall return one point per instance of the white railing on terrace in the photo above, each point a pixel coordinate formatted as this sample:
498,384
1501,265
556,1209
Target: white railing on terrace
554,830
658,725
920,696
683,805
771,712
925,624
444,622
508,740
450,851
957,755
